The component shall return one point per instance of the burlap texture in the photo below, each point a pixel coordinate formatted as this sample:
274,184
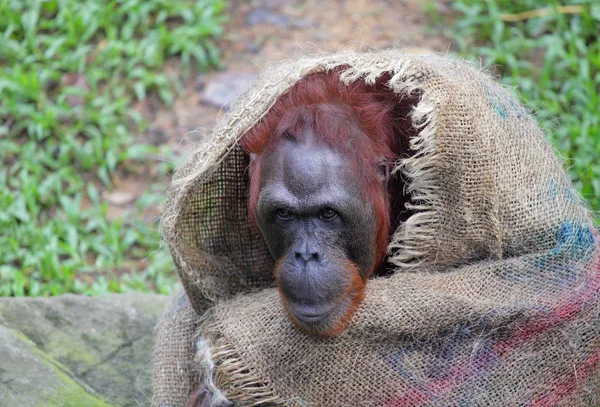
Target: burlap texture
495,296
174,374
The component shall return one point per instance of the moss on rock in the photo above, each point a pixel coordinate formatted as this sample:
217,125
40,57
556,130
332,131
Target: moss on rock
88,351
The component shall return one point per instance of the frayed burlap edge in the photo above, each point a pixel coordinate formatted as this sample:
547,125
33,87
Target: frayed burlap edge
420,171
410,244
235,376
207,158
415,238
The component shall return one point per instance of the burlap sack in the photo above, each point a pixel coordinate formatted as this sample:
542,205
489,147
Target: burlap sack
495,297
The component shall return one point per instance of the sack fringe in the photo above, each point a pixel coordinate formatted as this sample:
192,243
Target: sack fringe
232,373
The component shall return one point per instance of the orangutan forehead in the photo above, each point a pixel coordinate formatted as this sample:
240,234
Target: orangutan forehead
330,125
308,167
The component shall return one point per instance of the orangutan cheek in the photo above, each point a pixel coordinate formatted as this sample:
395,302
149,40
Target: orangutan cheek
350,305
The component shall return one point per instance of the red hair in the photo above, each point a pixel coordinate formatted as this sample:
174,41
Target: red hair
336,112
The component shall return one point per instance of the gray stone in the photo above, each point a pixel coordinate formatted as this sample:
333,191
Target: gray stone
78,351
28,377
119,198
267,17
223,88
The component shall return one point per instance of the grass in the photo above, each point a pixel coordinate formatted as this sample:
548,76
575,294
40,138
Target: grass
69,73
553,61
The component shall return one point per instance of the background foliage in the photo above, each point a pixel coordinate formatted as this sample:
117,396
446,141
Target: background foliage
70,70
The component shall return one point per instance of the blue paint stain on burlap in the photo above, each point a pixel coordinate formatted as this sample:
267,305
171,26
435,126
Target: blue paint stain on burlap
468,347
556,190
503,104
576,238
560,266
574,241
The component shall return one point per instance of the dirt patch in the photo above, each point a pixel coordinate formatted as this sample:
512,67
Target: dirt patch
261,32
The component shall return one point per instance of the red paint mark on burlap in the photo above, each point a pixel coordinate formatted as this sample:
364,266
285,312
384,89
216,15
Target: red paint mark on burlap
567,385
569,307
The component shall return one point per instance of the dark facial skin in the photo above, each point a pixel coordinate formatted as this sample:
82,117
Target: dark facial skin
320,229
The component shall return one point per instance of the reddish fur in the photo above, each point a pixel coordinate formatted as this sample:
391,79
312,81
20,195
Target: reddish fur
356,291
335,111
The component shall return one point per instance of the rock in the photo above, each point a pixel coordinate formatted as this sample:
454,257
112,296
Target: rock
263,16
119,198
254,47
29,377
223,88
78,351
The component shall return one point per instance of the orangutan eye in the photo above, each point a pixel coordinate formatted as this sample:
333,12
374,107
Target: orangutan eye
328,214
284,214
